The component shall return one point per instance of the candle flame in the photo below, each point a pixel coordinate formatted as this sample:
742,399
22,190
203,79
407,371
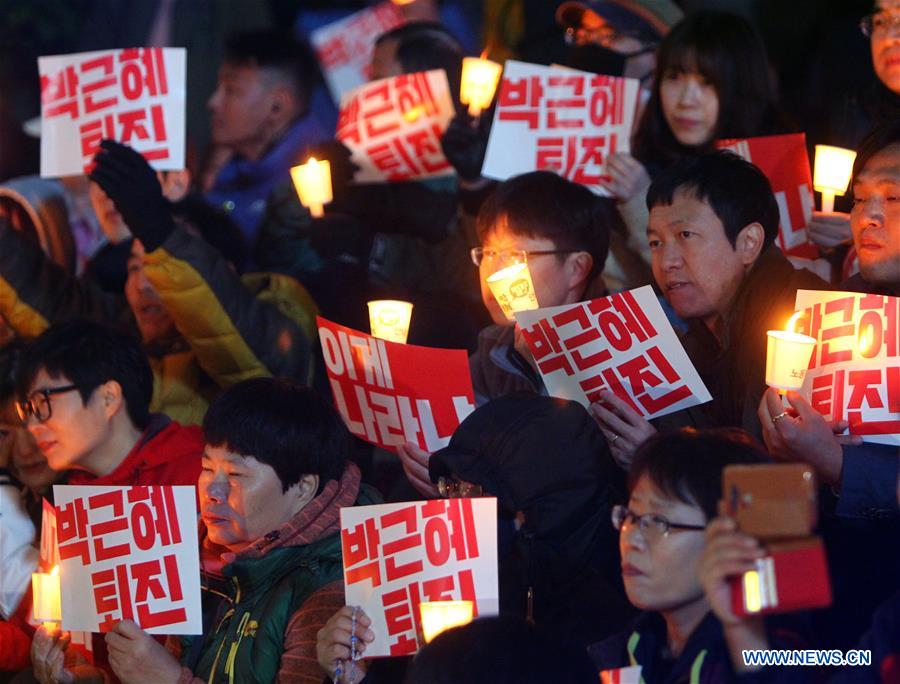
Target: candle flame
792,322
484,54
54,571
866,339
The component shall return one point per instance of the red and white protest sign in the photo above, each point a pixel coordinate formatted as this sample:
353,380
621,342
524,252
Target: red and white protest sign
344,48
394,127
390,393
622,343
854,373
129,553
784,160
135,96
49,557
398,555
621,675
562,120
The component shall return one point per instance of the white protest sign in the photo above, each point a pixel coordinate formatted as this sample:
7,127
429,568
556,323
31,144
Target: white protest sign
623,343
562,120
399,555
135,96
394,127
129,553
854,373
344,48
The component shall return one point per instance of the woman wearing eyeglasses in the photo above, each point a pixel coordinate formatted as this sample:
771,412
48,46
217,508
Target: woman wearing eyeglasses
671,571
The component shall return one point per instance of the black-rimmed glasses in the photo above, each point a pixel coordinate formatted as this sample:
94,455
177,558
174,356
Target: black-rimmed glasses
651,525
510,256
38,403
879,22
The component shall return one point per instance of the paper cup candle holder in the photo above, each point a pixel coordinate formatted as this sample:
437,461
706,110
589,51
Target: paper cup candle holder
832,172
513,289
45,598
478,83
312,181
787,357
389,319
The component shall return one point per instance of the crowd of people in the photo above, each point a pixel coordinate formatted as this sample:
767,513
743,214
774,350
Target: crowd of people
179,347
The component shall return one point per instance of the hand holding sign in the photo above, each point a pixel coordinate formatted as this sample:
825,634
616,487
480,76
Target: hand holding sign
624,428
136,657
334,643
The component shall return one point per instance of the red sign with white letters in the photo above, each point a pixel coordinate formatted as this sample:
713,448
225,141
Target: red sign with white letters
622,343
135,96
390,393
128,553
562,120
784,160
394,127
399,555
854,373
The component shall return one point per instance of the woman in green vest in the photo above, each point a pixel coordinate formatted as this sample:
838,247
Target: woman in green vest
274,478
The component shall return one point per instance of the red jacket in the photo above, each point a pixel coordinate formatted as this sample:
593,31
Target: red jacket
166,454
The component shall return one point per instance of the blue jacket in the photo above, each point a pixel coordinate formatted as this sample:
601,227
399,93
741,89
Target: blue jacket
242,186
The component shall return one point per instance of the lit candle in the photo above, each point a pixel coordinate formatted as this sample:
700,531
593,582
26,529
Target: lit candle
787,357
831,176
389,319
513,289
45,597
479,83
312,181
439,616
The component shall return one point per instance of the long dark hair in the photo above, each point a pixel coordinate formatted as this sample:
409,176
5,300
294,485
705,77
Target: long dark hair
726,50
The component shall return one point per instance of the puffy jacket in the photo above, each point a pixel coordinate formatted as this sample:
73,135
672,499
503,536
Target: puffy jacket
231,328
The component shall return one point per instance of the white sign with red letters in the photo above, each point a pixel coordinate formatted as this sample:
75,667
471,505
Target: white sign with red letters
344,48
394,127
562,120
129,553
398,555
135,96
854,373
622,343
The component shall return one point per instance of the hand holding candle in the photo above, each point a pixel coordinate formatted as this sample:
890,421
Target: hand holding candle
389,319
832,172
479,83
439,616
513,289
312,181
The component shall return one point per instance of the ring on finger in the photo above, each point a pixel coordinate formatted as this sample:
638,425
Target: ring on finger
614,438
781,415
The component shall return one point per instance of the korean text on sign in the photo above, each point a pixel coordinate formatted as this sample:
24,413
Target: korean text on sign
390,393
344,48
398,555
561,120
854,373
135,96
784,160
129,553
622,343
394,127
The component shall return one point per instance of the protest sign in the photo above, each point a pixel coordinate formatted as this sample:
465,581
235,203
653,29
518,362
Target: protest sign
49,555
560,120
344,48
390,393
135,96
129,553
393,127
399,555
784,160
854,373
622,343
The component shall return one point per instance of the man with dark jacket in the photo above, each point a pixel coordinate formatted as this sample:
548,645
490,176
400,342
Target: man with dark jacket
713,223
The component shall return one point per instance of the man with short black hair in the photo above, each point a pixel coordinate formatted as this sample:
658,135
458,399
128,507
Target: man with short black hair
713,224
260,114
275,477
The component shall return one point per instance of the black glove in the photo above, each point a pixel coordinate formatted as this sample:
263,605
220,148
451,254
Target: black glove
464,144
127,179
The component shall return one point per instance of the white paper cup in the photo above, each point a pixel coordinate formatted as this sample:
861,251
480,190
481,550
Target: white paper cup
787,359
389,319
513,289
439,616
